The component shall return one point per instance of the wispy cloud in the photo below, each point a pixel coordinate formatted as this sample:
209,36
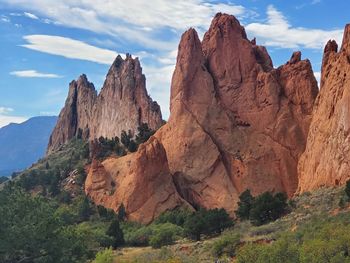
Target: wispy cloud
5,118
278,32
48,113
5,19
119,20
30,15
33,74
5,110
69,48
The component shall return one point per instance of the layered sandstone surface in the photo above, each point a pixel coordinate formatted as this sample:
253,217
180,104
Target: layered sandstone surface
236,123
326,160
122,104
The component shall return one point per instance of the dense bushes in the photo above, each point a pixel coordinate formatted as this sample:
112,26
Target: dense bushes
226,245
31,231
176,217
104,147
172,225
261,209
165,234
195,224
317,242
104,256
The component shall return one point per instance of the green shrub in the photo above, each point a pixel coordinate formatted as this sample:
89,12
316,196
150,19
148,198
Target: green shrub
144,133
105,213
104,256
176,217
164,234
207,222
226,245
137,235
244,205
267,207
30,229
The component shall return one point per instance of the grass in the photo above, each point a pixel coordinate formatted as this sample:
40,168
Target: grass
321,204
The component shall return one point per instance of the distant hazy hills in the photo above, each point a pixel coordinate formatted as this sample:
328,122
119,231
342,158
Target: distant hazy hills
23,144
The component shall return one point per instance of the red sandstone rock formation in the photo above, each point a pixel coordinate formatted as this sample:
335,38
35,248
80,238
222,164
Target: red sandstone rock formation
123,104
235,122
326,160
76,115
140,181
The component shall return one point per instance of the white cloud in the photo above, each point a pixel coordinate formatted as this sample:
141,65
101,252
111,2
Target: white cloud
277,32
158,83
69,48
318,76
5,120
48,113
30,15
5,19
33,74
5,110
135,21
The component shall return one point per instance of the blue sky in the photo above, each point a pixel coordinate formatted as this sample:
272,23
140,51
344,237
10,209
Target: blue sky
46,44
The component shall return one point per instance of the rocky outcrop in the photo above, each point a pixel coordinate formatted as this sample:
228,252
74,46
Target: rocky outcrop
122,104
326,160
76,114
140,181
235,122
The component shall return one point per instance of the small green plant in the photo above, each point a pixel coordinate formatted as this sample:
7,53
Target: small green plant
104,256
226,245
164,235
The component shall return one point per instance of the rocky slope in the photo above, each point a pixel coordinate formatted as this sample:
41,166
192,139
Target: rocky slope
122,104
235,123
326,159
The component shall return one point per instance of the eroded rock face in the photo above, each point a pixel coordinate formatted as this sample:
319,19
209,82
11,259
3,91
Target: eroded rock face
76,115
236,123
140,181
123,104
325,161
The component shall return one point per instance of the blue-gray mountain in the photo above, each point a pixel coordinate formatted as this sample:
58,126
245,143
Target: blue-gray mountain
23,144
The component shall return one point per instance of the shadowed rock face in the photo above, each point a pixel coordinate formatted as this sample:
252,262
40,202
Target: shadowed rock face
123,104
235,122
326,160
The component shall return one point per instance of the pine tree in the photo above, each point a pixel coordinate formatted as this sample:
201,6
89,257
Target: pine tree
115,231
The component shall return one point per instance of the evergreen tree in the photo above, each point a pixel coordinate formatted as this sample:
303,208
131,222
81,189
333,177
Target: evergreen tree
121,213
244,205
125,139
116,233
84,209
144,133
267,207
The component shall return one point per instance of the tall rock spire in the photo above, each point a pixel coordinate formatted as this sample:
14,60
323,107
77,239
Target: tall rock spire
123,104
326,160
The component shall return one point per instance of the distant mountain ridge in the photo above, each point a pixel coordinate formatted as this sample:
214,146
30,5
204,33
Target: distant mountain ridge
23,144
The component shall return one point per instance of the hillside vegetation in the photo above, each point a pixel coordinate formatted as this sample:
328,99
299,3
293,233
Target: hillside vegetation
46,217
